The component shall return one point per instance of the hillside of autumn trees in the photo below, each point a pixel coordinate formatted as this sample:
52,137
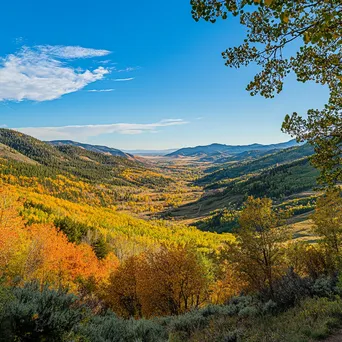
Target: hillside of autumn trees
107,260
85,255
80,175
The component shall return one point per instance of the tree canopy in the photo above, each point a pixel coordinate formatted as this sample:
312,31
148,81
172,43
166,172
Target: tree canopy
271,27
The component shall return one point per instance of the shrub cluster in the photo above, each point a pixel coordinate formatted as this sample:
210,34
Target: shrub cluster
36,312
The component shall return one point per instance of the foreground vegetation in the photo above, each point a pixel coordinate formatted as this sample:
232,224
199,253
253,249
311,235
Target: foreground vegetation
32,313
79,272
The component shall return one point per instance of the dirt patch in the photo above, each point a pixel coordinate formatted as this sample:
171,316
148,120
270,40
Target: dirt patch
335,338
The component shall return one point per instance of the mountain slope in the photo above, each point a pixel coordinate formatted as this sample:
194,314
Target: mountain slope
76,161
31,147
94,148
277,183
9,153
221,149
242,156
245,168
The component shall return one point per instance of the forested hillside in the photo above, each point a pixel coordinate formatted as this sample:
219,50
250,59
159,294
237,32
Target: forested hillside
246,168
76,161
94,148
70,233
78,174
290,180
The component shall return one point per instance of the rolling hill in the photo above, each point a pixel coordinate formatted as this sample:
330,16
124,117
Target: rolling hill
9,153
222,150
31,157
218,159
32,148
247,167
296,179
94,148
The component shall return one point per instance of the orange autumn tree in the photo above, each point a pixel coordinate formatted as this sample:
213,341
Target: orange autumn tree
121,294
61,262
227,285
169,281
172,281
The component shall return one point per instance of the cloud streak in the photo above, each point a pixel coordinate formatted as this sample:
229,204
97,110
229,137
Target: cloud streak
82,132
42,73
124,79
70,52
128,69
100,90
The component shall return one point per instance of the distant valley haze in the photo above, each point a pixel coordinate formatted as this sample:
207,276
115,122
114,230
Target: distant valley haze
214,149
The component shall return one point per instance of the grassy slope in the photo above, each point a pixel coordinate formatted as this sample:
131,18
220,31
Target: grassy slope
258,165
279,183
9,153
311,320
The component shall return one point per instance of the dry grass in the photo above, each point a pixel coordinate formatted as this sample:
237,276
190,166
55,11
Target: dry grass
11,154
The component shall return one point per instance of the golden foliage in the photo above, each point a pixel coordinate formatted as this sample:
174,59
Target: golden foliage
127,234
258,255
43,253
169,281
172,281
328,220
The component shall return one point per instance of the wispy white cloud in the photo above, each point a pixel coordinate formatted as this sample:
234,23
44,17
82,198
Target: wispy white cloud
70,51
82,132
128,69
124,79
39,74
100,90
106,61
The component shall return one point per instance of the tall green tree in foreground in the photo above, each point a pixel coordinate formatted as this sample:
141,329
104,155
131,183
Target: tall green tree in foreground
328,224
258,252
274,25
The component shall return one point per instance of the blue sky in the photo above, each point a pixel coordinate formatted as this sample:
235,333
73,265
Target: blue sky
133,75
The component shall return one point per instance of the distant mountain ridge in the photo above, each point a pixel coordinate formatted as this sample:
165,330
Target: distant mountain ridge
214,152
94,148
222,150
